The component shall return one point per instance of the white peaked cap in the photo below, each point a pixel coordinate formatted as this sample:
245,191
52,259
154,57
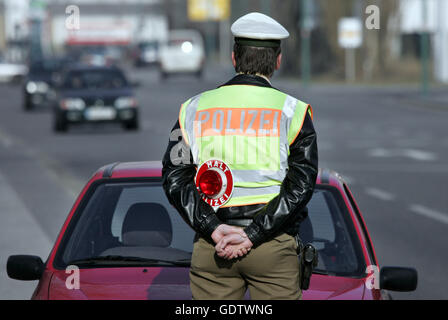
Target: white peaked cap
258,26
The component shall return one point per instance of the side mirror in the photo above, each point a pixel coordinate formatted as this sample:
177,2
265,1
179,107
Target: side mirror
398,279
24,267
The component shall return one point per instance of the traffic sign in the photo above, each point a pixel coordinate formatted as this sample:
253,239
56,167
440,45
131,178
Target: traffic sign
205,10
350,33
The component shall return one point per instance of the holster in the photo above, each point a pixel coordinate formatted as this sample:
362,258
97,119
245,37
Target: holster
308,259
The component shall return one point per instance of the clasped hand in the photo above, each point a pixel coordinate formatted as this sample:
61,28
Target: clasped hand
231,242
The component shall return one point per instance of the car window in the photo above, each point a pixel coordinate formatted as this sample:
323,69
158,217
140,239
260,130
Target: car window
330,229
321,218
180,38
179,41
365,233
128,220
148,45
135,219
95,79
181,235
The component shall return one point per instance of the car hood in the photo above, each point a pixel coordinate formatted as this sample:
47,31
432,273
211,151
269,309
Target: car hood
324,287
172,283
168,283
99,94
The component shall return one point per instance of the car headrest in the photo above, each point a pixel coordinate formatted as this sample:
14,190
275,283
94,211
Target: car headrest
147,224
306,233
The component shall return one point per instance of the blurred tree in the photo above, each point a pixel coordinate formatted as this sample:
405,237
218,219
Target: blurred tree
331,12
377,53
288,14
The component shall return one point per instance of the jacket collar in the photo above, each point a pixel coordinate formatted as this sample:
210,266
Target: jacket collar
248,79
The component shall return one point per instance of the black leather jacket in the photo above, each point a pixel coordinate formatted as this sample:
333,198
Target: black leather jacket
262,221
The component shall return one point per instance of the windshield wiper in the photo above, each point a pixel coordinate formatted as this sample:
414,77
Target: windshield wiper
114,259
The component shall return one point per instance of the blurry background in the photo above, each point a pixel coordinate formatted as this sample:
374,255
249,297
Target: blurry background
375,72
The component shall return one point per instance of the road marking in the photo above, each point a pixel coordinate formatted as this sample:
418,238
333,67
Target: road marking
5,140
414,154
429,213
381,153
380,194
420,155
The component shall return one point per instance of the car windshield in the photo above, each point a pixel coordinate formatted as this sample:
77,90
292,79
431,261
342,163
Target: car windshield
181,39
95,79
133,223
148,45
179,42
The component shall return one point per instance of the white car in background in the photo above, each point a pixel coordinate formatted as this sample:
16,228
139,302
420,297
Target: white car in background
12,72
182,53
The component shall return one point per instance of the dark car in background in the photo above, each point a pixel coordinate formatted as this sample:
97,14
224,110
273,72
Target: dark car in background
95,94
38,85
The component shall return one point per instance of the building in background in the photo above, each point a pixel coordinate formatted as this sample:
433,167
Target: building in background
32,28
106,22
14,30
2,27
414,22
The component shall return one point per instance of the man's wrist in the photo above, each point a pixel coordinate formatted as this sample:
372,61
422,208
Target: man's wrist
254,234
211,225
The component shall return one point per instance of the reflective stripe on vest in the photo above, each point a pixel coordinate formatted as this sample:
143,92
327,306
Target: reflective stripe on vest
250,128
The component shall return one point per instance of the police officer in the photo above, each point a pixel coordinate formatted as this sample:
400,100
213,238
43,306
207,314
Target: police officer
268,140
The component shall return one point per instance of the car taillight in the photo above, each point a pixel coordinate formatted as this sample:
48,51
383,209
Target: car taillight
210,183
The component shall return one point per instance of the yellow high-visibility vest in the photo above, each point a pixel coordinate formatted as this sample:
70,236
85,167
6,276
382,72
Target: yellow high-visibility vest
250,128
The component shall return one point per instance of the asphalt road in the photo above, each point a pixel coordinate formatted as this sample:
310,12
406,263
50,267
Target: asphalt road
389,144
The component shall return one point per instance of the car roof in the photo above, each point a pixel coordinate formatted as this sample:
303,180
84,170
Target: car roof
186,33
139,169
143,169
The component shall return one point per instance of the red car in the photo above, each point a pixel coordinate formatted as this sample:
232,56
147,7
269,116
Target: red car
123,240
